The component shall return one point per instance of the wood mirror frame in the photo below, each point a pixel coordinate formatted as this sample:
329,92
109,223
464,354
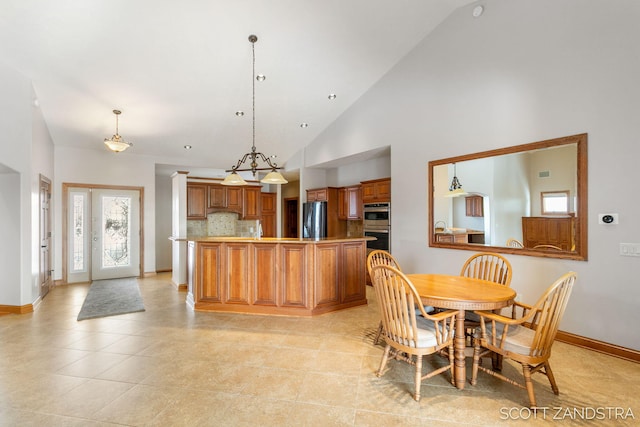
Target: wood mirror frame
579,215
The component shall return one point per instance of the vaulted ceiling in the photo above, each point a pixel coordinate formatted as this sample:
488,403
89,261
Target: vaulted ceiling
179,71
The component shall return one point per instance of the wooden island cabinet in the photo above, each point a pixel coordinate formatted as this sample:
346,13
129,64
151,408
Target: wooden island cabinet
283,276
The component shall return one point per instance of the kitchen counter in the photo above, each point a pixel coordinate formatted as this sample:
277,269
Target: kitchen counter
277,239
459,235
279,276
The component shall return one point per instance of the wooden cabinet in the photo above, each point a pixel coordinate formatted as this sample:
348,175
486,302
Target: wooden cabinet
251,203
203,198
336,227
474,206
318,195
350,199
196,201
341,273
278,276
268,214
377,190
555,231
235,199
353,272
452,238
217,196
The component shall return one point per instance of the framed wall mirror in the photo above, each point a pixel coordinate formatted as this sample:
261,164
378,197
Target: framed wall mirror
528,199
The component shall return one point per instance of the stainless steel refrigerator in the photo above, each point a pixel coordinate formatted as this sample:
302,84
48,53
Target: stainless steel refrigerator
314,220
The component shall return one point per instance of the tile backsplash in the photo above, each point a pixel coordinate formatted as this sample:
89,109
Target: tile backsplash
223,224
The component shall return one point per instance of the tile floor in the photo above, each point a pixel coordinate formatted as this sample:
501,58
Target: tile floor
169,366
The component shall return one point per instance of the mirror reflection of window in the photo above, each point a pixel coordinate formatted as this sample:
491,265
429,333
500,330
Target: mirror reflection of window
555,202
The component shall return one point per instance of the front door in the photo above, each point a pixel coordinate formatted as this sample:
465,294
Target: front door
115,234
45,236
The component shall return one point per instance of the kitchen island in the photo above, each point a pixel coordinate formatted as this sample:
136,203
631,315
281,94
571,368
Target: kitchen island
279,276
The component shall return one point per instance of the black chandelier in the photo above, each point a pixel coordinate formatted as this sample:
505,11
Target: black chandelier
273,177
455,189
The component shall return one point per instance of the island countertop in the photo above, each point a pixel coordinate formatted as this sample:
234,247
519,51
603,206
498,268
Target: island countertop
281,276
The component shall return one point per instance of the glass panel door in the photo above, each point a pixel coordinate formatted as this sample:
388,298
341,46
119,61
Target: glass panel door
115,234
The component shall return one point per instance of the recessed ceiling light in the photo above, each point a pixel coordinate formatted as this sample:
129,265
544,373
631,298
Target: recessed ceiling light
332,96
260,77
239,113
477,11
304,125
188,147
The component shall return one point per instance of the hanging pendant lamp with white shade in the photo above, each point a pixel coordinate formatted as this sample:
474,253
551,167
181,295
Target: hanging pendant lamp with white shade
455,189
116,143
273,177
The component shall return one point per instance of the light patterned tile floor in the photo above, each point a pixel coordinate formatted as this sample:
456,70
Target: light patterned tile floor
170,366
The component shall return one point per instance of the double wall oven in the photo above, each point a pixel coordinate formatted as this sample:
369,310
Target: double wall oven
377,223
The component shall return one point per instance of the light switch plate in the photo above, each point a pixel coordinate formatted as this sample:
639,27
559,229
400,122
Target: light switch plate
630,249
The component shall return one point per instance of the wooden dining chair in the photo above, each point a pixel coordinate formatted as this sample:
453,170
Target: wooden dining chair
552,247
381,257
486,266
410,336
514,243
526,336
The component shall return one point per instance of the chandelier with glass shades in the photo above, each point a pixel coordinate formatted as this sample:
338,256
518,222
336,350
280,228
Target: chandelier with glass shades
116,143
273,177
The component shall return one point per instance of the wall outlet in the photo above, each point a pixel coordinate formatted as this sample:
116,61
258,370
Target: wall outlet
608,219
630,249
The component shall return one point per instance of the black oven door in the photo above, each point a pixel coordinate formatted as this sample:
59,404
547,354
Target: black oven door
381,242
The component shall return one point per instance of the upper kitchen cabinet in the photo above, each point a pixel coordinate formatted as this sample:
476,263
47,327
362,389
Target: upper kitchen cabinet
350,199
196,201
377,190
203,198
318,195
268,214
474,206
225,198
251,203
217,196
235,199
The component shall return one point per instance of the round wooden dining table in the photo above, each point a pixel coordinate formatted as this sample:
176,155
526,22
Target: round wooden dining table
461,293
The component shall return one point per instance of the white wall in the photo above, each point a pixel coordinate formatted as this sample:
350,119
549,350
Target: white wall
41,164
562,175
9,221
354,173
525,71
163,209
103,167
26,149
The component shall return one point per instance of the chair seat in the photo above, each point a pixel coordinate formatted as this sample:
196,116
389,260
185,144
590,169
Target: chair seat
426,334
519,339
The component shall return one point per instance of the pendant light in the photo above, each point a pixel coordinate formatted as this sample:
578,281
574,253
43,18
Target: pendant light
116,143
455,189
273,177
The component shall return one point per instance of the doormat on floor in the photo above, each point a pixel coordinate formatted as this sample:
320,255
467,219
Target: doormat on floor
111,297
